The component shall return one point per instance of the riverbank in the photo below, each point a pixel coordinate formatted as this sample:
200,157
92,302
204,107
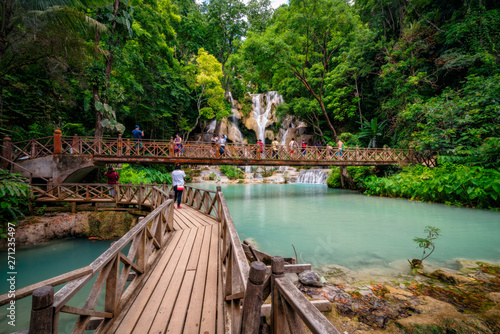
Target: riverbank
439,301
99,225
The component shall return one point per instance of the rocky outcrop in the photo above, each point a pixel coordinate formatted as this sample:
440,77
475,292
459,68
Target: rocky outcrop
101,225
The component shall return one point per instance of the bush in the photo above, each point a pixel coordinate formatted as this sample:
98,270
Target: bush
458,185
357,173
147,175
14,192
232,172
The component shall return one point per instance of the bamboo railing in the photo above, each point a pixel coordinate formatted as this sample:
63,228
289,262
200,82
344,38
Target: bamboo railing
119,149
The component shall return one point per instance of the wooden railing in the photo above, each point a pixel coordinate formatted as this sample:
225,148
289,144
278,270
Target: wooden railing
291,311
146,240
119,149
136,194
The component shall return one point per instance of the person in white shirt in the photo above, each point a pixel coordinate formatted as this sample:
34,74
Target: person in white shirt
178,176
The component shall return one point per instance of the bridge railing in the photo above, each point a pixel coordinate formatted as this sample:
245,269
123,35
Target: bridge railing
235,268
112,270
291,312
118,147
135,194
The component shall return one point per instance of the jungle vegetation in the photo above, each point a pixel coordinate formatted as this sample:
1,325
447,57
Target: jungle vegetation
400,73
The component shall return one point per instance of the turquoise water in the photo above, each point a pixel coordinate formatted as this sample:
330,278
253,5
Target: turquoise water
44,261
330,226
326,226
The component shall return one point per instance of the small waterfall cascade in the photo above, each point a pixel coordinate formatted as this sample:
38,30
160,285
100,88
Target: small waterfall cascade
238,138
315,176
211,126
262,114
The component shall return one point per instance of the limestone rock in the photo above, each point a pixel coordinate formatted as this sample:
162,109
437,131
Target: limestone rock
451,277
309,277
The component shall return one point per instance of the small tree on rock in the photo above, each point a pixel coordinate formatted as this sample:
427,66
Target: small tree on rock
426,244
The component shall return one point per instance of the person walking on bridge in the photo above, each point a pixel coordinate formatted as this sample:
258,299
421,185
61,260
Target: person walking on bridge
178,176
113,178
137,134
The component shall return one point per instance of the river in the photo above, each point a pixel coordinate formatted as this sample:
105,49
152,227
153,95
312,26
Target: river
326,226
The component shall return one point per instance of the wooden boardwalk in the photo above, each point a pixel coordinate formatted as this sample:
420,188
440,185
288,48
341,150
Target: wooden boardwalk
176,271
183,293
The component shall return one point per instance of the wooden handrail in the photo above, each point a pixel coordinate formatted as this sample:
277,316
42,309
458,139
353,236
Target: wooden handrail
107,148
54,281
312,317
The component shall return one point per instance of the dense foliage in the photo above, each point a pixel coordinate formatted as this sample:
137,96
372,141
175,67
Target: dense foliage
14,192
146,175
232,172
414,73
453,184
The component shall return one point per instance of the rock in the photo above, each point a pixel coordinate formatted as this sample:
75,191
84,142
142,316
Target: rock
309,277
451,277
494,297
492,318
292,277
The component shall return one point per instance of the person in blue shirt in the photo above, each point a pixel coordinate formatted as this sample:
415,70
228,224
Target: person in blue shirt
137,134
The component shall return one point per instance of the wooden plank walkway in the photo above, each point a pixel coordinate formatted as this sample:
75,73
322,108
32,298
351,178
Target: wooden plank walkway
181,294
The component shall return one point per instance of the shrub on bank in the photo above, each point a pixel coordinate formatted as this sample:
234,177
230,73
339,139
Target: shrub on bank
451,184
357,173
232,172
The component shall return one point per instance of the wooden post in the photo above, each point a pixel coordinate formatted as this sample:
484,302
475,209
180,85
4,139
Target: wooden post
74,145
278,321
171,150
217,152
57,141
42,310
127,149
219,203
412,155
119,145
141,187
6,152
73,207
253,298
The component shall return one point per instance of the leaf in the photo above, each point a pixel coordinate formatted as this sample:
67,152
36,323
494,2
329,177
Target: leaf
98,105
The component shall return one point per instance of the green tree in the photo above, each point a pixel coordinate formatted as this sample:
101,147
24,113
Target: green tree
300,46
14,192
206,82
227,25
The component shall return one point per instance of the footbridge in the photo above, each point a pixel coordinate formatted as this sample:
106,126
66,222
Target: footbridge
58,157
176,271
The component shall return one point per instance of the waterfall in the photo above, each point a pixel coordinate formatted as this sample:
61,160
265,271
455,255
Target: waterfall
261,115
211,126
238,138
316,176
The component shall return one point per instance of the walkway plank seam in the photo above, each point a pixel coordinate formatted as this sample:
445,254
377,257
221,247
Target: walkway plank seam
183,293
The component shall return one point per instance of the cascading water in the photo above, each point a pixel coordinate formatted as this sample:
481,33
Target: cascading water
315,176
262,115
238,138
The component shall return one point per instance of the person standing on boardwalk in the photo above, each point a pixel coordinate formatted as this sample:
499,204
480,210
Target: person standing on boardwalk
215,139
293,144
304,148
178,176
177,145
275,145
113,178
222,144
340,145
137,134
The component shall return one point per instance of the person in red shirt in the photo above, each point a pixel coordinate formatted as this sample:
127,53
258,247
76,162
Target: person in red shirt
113,178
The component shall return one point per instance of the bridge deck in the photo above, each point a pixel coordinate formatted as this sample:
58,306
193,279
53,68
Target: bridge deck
183,294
